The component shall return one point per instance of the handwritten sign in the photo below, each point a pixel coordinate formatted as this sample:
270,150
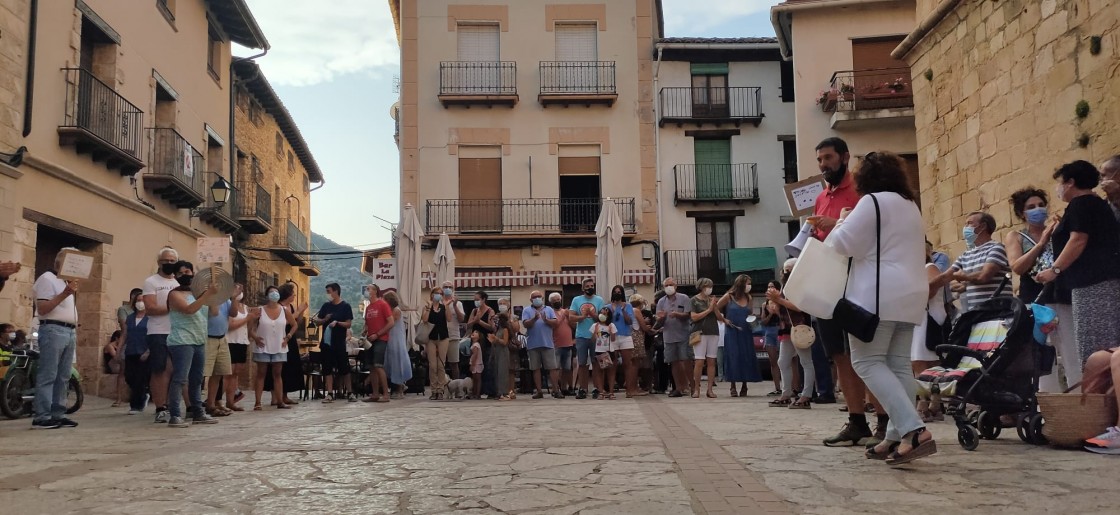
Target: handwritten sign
213,250
385,274
75,265
802,195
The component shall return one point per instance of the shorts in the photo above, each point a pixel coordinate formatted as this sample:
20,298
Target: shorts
708,346
564,356
375,355
832,337
622,343
217,362
157,352
238,353
678,351
542,356
263,357
771,336
334,359
453,349
585,347
477,369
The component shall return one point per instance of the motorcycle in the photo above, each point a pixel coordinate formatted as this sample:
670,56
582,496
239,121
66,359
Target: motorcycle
17,390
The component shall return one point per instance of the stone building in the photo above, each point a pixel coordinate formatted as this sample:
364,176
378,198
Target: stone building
510,148
124,110
997,89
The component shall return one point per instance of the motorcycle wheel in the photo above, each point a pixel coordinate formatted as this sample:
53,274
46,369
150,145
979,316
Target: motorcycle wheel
11,395
74,396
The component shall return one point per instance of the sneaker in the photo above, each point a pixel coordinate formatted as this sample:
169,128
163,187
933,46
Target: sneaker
538,395
135,411
351,398
676,393
44,424
821,399
162,416
176,422
1107,443
328,399
582,394
877,437
203,418
848,436
65,422
557,395
774,393
595,393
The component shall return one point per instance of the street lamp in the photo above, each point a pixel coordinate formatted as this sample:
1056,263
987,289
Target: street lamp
219,193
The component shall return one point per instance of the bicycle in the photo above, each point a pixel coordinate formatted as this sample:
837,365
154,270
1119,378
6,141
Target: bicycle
17,391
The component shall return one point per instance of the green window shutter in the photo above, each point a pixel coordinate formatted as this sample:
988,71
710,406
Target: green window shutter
709,68
713,168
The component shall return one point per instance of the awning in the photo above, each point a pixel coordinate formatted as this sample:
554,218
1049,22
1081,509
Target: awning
629,277
490,279
750,260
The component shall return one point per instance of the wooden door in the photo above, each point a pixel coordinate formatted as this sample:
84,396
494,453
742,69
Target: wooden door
480,194
713,168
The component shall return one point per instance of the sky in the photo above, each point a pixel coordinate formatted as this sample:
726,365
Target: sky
334,68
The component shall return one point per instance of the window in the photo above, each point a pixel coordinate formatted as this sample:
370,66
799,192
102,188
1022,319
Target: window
713,168
576,42
255,112
478,70
213,51
291,162
786,69
709,89
480,189
579,168
166,107
213,156
279,145
306,184
167,9
714,236
478,42
257,175
98,50
242,99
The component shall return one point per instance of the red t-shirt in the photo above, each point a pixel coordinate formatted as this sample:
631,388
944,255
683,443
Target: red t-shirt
377,317
833,200
562,333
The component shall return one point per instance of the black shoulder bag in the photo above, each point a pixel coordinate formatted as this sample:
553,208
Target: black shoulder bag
855,320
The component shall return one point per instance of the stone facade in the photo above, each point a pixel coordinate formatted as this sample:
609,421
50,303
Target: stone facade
998,111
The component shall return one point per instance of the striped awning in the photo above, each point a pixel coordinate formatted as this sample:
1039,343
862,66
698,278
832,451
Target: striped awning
489,279
578,276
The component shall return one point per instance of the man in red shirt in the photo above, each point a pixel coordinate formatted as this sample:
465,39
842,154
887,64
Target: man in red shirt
839,194
379,319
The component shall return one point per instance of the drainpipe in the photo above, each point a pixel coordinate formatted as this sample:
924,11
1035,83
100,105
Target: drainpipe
29,81
657,164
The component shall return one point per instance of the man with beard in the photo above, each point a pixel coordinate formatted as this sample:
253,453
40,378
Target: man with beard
839,194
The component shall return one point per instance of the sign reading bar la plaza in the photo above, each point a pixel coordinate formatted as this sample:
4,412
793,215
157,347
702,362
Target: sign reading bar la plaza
385,274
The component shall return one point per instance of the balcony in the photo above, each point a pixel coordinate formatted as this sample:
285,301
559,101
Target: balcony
219,216
100,122
254,207
711,105
722,266
174,169
867,98
468,83
716,183
311,269
577,82
290,243
512,222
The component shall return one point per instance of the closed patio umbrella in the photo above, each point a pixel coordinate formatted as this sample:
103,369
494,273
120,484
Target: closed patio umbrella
444,261
409,237
608,247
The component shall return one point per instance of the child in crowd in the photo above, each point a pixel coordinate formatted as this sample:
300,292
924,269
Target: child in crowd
476,365
606,335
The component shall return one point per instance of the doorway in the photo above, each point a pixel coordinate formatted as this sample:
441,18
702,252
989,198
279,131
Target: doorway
714,237
48,241
480,194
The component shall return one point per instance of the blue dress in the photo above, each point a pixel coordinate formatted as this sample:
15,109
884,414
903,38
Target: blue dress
738,347
397,365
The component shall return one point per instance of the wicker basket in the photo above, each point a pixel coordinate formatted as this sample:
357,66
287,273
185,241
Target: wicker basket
1071,418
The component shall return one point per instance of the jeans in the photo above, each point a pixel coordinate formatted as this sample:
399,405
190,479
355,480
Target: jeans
187,361
52,373
884,366
786,352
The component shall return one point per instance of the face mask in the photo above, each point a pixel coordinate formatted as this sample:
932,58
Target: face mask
1036,216
502,308
538,302
185,280
11,337
589,291
140,305
1061,191
240,296
447,291
670,290
707,291
365,294
969,235
556,305
274,296
618,297
437,298
602,318
167,268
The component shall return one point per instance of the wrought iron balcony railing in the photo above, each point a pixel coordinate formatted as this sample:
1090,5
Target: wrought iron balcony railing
477,81
98,120
711,104
578,78
522,216
716,182
687,266
254,207
175,169
858,90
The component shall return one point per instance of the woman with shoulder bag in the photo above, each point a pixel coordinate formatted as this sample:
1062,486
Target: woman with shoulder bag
436,314
885,299
791,317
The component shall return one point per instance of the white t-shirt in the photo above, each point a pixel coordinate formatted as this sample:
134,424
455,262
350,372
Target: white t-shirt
159,286
241,334
47,287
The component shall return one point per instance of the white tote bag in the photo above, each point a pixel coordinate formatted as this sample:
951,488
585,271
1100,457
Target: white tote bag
817,281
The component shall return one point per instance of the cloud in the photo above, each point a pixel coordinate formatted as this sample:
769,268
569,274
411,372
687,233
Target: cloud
685,18
314,45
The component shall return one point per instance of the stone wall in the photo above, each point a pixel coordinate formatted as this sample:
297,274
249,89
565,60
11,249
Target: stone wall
998,111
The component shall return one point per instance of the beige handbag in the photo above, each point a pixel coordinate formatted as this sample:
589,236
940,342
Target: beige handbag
801,335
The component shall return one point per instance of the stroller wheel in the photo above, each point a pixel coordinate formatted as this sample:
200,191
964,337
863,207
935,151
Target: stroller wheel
988,425
973,417
969,438
1023,428
1034,430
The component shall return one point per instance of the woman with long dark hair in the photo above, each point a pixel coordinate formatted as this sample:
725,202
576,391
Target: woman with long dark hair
733,309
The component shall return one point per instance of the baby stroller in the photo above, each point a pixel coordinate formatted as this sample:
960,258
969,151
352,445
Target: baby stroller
991,361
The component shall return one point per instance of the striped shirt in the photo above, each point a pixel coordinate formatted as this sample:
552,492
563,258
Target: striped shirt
973,261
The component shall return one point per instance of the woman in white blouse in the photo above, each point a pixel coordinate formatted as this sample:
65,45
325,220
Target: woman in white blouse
898,295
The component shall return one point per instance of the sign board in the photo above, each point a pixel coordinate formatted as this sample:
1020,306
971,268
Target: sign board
385,274
75,265
213,250
188,161
802,195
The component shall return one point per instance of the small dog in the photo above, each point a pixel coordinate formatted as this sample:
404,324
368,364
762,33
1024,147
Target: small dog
459,388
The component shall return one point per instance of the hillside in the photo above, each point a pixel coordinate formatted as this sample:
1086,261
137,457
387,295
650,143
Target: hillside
344,270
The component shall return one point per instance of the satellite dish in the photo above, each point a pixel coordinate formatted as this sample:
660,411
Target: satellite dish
395,110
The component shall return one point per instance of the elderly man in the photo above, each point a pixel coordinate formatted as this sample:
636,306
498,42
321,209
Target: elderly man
540,320
673,312
455,318
983,266
58,321
155,293
1110,183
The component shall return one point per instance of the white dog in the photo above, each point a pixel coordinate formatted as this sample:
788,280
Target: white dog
459,388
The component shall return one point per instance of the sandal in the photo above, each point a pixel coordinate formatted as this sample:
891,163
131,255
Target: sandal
780,403
283,406
234,408
802,403
257,407
872,454
917,449
711,394
696,394
743,391
734,393
774,393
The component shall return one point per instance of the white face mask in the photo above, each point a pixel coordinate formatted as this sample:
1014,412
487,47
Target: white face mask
240,296
12,337
140,305
502,308
670,290
707,291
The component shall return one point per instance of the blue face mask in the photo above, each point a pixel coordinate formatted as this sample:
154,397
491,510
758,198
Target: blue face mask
447,291
538,302
437,298
274,296
969,235
1036,216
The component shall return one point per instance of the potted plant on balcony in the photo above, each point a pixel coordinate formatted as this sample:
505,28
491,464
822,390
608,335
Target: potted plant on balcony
829,97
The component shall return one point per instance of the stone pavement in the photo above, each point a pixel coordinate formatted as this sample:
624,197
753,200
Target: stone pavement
648,456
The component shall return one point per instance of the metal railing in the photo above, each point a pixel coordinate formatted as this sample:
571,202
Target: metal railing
857,90
711,103
93,106
292,237
577,78
686,266
169,157
477,78
254,200
716,181
522,216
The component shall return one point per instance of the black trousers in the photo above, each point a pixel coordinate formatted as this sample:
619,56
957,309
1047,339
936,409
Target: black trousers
136,375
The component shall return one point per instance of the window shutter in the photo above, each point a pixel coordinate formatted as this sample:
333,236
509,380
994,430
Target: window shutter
478,43
577,42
